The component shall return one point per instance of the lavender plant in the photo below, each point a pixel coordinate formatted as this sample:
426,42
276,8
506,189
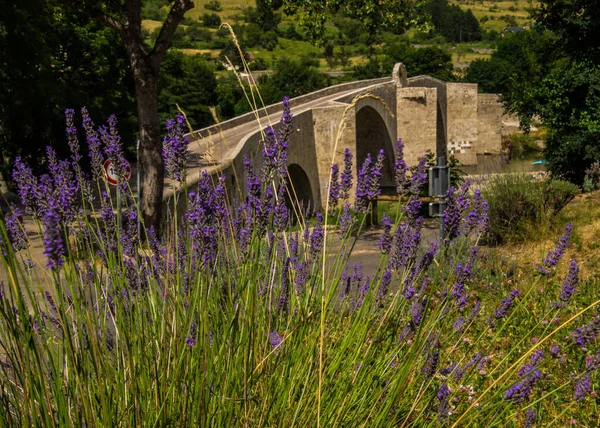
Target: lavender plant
238,317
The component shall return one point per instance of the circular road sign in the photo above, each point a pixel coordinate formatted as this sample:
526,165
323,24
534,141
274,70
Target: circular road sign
111,174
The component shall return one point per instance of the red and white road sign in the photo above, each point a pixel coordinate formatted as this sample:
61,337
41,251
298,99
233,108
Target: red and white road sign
111,174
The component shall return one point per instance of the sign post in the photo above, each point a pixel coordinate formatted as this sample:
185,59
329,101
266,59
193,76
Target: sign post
439,181
113,179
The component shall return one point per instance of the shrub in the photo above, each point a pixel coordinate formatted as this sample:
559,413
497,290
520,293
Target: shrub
211,20
214,5
519,206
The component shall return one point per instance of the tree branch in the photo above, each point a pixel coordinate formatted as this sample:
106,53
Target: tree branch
165,37
110,22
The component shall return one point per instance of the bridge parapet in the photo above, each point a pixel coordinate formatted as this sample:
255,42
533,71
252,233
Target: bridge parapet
277,108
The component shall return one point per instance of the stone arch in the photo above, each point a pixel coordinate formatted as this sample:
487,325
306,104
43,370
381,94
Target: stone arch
372,135
299,192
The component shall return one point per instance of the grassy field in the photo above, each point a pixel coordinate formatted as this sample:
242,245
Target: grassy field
497,11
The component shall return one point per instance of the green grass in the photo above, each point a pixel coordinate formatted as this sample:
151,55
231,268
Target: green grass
495,10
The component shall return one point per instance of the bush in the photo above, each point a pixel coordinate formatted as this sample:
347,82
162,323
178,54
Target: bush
211,20
520,206
214,5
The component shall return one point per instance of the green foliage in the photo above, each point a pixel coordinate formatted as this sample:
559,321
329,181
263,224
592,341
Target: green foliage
552,73
178,85
230,96
211,20
452,22
154,10
231,52
214,5
591,181
292,78
520,206
54,58
374,16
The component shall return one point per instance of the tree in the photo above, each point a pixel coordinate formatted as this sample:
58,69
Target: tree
292,78
555,78
53,57
178,86
125,18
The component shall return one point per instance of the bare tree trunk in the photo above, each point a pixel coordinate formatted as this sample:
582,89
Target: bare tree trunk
127,21
150,160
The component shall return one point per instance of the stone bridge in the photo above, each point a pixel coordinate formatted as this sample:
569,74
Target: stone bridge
431,116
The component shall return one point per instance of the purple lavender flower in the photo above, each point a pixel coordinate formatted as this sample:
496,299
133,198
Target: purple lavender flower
334,186
555,350
17,235
406,244
554,255
456,206
280,211
419,177
373,189
460,371
384,285
363,290
72,134
443,404
275,339
50,301
287,118
190,340
346,220
113,150
506,304
592,362
569,285
412,210
530,375
54,245
582,388
285,282
385,242
417,310
346,177
477,220
361,200
432,360
316,238
175,149
93,143
400,169
530,416
585,334
27,185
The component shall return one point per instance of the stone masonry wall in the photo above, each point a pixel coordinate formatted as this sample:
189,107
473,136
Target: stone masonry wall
416,115
327,130
462,121
489,124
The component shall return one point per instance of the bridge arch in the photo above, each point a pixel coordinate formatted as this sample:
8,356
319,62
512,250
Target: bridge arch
299,193
376,130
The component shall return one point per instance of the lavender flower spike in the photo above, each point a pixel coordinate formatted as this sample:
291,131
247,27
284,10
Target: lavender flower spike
275,339
346,177
569,285
554,255
400,169
72,134
175,149
385,243
419,177
334,186
443,405
54,245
